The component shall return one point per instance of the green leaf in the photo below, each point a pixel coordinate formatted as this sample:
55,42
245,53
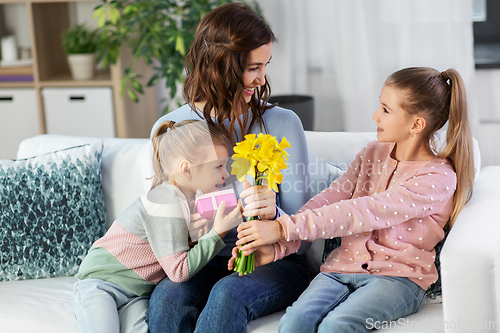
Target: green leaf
173,89
98,11
132,95
132,8
101,21
153,80
114,15
137,86
179,45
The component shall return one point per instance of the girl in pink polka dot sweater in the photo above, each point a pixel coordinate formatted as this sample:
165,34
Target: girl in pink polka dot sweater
149,241
389,208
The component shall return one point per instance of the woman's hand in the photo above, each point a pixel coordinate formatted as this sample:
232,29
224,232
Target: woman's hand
259,201
252,234
223,224
263,256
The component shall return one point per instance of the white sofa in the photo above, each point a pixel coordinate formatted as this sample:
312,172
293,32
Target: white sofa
470,257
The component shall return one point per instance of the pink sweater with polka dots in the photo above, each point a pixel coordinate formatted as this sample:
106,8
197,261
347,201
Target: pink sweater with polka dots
389,214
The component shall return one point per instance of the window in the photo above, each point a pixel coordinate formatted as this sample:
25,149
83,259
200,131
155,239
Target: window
487,33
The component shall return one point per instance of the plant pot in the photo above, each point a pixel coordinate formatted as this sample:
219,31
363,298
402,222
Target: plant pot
82,66
302,105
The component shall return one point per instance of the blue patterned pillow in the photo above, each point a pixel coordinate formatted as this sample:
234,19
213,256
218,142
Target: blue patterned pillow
51,211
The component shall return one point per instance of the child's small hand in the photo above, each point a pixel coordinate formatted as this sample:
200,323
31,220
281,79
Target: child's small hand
223,224
263,256
255,233
198,227
259,201
234,255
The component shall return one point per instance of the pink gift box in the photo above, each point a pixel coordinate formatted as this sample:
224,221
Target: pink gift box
206,204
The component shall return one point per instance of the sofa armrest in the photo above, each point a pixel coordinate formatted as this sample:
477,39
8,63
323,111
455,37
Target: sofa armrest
470,268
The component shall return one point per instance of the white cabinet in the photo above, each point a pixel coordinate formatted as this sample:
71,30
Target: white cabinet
79,111
38,24
19,119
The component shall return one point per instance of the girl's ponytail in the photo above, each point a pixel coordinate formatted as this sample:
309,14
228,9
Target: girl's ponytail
160,175
441,98
458,142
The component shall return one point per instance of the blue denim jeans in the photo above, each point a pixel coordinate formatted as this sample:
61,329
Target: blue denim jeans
351,303
216,300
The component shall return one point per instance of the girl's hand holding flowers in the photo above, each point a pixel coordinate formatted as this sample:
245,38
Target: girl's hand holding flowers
253,234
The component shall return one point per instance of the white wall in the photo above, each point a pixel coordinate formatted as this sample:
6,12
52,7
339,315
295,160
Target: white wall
485,99
290,21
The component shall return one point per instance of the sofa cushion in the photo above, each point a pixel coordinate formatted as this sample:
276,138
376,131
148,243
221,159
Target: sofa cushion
41,306
51,211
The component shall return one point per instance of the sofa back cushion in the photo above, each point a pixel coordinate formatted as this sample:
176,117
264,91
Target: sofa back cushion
330,152
121,177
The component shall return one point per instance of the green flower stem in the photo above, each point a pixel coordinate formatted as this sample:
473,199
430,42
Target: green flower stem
246,264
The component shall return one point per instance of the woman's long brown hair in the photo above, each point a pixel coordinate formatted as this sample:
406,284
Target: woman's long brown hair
215,65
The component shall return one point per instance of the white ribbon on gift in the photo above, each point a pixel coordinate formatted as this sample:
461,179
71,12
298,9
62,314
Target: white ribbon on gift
212,195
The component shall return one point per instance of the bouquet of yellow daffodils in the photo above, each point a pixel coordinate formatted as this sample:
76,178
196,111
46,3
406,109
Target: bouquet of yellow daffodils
262,158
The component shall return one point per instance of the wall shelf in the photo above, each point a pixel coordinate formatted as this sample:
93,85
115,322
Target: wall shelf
47,19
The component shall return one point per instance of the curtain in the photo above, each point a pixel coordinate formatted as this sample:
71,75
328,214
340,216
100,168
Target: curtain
341,51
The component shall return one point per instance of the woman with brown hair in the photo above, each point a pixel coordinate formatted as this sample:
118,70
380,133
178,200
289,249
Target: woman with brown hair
226,85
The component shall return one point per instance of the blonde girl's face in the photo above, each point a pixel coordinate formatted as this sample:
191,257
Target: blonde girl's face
211,174
393,123
255,71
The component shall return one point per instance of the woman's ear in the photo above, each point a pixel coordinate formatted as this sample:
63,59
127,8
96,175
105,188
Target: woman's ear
185,168
418,125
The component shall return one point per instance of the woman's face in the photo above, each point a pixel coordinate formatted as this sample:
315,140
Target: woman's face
255,71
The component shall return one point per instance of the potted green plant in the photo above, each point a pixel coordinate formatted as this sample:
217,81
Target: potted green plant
158,31
79,44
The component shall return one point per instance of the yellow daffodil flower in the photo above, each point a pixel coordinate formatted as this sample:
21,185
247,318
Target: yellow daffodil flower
260,154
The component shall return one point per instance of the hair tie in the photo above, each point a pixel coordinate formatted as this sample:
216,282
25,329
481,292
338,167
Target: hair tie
171,124
445,76
206,44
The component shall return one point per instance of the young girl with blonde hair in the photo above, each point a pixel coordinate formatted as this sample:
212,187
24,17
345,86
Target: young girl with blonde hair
389,208
149,241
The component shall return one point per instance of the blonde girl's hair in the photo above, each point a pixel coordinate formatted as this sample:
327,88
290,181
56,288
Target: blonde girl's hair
440,97
215,65
187,139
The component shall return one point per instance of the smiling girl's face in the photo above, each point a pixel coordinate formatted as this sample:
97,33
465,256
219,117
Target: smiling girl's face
393,123
255,71
210,175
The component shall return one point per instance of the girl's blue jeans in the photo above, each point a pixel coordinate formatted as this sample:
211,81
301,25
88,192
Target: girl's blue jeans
337,303
102,306
216,300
